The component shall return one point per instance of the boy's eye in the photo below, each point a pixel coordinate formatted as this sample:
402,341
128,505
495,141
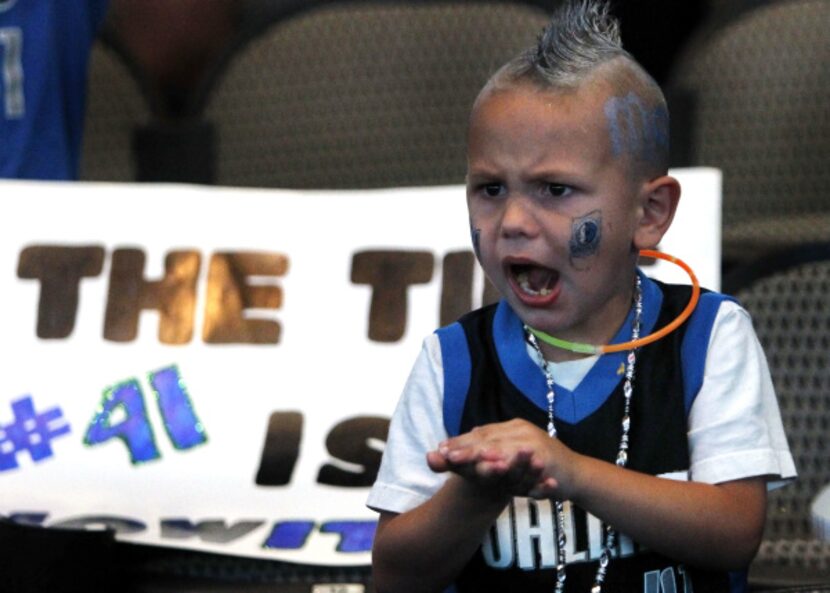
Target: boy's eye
557,190
492,189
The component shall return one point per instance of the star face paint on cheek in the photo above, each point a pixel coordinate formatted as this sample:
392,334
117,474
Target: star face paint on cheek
586,234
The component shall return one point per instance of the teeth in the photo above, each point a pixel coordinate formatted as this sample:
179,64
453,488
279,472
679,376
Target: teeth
524,283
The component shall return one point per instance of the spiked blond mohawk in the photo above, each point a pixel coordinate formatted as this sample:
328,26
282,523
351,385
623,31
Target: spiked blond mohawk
583,41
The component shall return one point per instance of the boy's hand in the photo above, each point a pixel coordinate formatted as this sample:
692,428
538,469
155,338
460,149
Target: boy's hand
492,472
515,456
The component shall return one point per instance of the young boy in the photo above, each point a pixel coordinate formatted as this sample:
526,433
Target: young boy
515,465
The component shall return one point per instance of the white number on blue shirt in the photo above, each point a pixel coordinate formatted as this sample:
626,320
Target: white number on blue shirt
11,51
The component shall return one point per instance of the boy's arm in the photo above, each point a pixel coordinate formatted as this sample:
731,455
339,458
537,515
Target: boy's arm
708,525
424,549
735,430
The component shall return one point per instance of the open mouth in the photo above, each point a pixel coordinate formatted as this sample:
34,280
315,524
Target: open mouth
533,280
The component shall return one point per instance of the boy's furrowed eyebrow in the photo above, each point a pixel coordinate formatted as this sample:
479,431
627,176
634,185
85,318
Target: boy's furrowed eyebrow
542,176
477,174
485,171
557,176
549,174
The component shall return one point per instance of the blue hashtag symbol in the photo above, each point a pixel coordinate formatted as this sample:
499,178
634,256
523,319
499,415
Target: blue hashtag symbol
30,432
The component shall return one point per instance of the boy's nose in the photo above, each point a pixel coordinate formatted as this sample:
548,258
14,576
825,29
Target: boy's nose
519,218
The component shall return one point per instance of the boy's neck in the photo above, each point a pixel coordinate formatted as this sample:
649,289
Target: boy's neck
556,354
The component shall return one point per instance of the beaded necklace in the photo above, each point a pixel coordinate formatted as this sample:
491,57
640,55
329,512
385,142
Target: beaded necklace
622,453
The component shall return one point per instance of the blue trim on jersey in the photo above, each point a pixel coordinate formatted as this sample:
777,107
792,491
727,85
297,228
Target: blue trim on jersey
696,344
597,385
455,358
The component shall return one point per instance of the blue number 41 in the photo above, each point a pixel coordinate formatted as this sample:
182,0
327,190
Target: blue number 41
122,414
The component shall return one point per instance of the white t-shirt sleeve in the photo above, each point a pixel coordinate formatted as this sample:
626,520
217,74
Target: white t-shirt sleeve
735,428
404,480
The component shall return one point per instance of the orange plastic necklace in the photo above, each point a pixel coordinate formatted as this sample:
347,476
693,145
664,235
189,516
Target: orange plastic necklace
582,348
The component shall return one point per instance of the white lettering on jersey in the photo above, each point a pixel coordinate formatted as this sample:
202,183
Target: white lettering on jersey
524,535
665,581
534,520
497,547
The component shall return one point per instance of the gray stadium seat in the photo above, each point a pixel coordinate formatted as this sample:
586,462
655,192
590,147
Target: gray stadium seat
116,106
760,83
791,314
351,95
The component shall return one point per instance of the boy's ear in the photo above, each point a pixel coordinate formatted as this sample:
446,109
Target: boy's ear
659,200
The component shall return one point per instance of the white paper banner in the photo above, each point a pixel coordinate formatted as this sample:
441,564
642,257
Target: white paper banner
136,396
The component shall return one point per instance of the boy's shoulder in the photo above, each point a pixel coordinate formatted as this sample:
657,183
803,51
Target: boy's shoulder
677,296
482,315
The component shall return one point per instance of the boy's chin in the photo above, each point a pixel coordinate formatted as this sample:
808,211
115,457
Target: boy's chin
539,319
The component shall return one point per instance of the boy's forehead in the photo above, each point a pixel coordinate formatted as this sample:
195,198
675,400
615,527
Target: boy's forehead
634,129
579,110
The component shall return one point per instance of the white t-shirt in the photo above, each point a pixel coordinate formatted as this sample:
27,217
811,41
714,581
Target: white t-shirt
734,425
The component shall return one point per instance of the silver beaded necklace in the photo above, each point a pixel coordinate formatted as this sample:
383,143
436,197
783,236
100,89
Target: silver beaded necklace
622,452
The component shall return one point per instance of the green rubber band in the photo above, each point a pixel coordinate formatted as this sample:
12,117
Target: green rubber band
577,347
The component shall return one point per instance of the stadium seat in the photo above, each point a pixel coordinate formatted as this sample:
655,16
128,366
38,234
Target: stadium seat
787,298
356,95
758,82
117,105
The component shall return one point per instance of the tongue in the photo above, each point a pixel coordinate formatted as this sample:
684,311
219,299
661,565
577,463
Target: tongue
539,278
535,279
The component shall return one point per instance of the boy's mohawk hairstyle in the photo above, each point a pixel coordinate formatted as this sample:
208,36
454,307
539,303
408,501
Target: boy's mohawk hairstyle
581,39
582,34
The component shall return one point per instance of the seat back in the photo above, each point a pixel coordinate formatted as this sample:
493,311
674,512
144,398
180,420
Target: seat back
760,83
791,316
352,95
117,105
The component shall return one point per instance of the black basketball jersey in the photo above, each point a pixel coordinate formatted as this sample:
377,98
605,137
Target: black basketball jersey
490,377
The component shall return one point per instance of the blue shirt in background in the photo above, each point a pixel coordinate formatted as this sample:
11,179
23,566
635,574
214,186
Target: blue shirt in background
44,54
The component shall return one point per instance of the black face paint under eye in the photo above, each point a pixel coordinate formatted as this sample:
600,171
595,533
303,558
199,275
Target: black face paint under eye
586,233
475,237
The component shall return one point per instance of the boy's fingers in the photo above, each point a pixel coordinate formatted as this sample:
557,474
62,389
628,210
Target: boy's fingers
544,489
491,454
491,469
524,473
437,462
459,455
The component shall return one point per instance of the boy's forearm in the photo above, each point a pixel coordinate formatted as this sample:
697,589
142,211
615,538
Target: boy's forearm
713,526
424,549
